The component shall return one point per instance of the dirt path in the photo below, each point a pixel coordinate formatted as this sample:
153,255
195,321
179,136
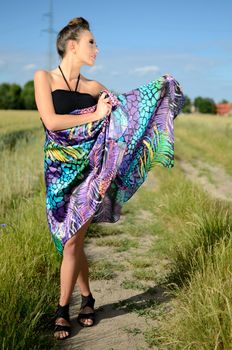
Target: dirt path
117,327
213,179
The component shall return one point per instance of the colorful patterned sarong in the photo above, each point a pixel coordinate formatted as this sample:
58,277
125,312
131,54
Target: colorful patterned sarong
94,168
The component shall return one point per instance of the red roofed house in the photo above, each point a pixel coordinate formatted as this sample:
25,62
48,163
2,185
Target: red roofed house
224,108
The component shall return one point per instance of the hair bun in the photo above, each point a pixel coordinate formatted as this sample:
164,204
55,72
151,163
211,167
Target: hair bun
78,21
71,31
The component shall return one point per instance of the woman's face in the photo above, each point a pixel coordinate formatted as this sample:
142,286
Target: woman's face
86,48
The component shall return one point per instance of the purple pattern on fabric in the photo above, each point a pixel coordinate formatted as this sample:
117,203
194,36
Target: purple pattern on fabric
94,168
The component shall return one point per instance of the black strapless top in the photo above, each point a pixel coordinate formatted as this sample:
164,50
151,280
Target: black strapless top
66,101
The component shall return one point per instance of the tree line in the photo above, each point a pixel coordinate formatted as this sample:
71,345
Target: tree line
13,96
201,105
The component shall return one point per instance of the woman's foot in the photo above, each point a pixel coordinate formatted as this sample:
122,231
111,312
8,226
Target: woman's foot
87,321
86,316
62,327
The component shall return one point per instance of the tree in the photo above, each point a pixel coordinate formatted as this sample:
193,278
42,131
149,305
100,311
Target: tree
4,96
187,105
205,105
15,100
224,101
28,96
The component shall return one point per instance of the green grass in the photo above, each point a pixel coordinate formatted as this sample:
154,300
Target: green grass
146,275
132,330
133,284
29,264
204,137
104,269
120,244
202,317
103,230
21,146
208,229
29,275
15,121
140,262
20,170
189,243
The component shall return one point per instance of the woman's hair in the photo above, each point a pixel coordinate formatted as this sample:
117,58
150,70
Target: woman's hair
70,32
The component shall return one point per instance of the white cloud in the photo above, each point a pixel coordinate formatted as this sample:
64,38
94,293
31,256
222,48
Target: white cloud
144,70
29,66
96,68
198,73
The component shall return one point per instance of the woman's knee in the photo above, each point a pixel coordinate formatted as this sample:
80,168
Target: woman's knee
75,243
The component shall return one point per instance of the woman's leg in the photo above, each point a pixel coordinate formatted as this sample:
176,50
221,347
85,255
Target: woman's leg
83,284
69,270
83,276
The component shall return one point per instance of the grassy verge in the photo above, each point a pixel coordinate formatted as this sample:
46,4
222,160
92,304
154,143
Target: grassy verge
20,170
21,146
29,264
29,275
201,317
206,137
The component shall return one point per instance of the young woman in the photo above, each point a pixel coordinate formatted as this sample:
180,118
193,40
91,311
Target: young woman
57,93
98,151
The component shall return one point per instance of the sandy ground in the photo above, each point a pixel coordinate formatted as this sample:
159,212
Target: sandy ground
213,179
115,327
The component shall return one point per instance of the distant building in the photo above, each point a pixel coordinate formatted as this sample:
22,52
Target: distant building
224,108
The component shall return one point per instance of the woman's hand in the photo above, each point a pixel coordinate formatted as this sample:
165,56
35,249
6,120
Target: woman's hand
104,106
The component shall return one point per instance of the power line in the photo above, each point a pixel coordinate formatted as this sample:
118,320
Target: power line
50,30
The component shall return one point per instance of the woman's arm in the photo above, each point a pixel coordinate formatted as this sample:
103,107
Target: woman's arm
44,103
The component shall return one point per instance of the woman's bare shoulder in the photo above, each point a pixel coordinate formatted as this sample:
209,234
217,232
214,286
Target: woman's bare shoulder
41,74
96,86
93,83
43,78
99,85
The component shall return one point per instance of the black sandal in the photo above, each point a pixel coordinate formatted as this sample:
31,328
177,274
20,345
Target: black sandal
62,311
87,301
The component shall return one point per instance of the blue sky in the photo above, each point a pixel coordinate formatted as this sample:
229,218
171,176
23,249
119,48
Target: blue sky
138,41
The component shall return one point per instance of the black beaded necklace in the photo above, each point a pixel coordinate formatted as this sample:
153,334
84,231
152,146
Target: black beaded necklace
67,82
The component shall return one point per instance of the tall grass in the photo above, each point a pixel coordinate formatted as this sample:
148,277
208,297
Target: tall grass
20,170
207,230
29,264
29,274
206,137
202,311
21,147
199,247
200,254
13,120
